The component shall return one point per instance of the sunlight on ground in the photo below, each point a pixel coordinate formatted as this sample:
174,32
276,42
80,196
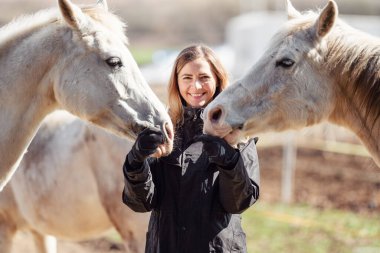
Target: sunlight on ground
299,229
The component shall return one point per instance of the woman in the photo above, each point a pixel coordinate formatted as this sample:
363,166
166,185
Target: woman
196,194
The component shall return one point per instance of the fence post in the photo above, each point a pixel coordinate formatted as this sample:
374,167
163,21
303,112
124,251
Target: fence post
288,167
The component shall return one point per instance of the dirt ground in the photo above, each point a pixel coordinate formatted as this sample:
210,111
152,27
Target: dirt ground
322,179
24,244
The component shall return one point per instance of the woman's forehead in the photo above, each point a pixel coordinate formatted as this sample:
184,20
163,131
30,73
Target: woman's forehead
199,65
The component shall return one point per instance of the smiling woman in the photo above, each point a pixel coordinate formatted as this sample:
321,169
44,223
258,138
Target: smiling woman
197,77
200,189
197,83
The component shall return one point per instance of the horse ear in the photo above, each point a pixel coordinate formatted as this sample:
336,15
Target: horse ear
326,19
292,12
73,15
103,3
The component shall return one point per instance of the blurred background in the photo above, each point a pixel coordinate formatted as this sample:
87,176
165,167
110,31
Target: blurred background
320,190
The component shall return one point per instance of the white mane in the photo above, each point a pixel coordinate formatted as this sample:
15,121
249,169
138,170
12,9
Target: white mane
28,23
25,24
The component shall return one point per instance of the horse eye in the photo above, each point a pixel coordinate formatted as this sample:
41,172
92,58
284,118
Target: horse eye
285,63
114,62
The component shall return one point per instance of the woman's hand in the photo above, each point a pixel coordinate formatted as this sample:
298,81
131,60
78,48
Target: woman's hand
146,144
219,151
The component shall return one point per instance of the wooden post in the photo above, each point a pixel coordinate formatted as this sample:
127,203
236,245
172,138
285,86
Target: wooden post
288,167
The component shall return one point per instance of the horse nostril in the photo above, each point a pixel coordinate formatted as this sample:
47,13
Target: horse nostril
240,126
215,115
168,131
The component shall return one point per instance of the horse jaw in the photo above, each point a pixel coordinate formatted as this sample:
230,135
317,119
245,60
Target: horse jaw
8,176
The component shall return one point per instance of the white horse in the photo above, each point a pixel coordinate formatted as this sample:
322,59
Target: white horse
78,61
316,68
69,185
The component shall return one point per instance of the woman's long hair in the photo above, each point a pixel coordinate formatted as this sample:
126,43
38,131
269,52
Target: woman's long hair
187,55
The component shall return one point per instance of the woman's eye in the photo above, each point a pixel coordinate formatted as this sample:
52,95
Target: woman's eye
114,62
285,63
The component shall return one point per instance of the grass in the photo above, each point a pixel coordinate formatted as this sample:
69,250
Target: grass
284,228
274,228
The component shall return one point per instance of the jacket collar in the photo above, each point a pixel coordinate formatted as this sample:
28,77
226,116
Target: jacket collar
190,113
191,126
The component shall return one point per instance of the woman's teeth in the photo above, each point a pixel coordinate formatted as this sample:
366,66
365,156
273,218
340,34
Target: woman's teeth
196,95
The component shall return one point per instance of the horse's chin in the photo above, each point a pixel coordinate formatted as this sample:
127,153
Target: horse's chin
163,150
233,137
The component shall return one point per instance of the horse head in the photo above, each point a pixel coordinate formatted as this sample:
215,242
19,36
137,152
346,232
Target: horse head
286,89
99,80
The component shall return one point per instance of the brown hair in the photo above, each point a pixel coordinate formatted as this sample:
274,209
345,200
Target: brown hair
187,55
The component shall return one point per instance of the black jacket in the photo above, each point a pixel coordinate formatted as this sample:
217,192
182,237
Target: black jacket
195,205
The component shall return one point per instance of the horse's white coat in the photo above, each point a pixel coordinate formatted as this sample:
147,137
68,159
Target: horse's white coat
69,185
315,69
78,61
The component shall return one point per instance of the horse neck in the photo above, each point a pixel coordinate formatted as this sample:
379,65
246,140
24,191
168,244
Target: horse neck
357,81
347,113
26,91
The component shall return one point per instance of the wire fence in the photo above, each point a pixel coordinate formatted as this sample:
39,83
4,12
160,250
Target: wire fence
323,137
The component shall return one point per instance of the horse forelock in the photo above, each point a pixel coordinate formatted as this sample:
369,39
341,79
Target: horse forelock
293,29
354,58
108,20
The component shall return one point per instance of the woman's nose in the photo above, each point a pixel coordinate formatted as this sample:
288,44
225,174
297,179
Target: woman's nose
197,84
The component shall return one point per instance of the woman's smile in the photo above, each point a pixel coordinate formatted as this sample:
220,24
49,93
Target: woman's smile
197,83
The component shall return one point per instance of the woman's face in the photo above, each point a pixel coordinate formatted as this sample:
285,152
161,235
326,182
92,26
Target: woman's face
197,83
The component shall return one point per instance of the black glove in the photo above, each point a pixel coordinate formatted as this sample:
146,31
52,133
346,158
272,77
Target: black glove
219,151
146,144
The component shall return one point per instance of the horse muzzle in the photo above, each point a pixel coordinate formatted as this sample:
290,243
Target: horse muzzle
215,124
167,141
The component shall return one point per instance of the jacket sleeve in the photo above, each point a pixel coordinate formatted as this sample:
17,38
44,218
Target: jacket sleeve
239,187
139,187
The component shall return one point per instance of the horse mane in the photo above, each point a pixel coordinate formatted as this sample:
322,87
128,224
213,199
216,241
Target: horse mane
355,58
28,23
